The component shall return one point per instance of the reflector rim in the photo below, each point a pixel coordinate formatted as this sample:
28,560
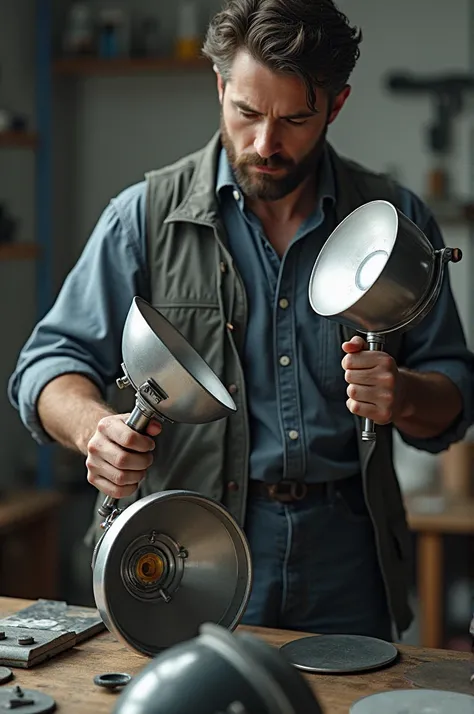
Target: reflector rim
328,243
107,542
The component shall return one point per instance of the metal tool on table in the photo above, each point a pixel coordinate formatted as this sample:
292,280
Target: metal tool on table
27,701
218,672
44,629
174,559
378,273
25,647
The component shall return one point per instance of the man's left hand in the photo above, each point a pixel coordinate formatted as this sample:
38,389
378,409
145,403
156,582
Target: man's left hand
375,383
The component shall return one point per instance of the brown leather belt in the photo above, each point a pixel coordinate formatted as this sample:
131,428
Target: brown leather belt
286,491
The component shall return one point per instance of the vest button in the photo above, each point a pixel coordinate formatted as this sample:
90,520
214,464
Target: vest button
233,389
233,486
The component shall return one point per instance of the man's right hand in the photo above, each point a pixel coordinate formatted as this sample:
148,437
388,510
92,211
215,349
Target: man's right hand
118,456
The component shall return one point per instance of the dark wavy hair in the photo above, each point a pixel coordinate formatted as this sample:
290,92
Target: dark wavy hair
311,39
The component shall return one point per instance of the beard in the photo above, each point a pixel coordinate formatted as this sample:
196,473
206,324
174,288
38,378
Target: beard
266,187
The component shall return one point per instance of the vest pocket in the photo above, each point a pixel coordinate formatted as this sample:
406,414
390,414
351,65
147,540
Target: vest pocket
201,325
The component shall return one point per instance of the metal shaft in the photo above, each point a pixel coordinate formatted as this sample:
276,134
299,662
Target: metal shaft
376,343
138,421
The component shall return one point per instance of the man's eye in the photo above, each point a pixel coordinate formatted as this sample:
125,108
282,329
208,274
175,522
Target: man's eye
297,122
247,115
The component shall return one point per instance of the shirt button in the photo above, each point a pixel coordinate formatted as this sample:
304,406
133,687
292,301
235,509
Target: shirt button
284,303
236,195
285,361
232,486
293,434
232,389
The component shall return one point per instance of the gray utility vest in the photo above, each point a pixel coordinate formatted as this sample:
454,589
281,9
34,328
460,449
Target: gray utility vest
195,285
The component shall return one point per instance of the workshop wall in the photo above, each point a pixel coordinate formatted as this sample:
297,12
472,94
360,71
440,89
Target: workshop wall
17,280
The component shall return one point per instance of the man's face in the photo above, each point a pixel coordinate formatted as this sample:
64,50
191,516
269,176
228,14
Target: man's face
273,140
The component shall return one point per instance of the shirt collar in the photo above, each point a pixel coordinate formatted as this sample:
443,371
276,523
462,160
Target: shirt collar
226,178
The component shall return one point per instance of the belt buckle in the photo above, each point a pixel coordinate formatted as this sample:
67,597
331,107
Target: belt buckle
297,491
276,495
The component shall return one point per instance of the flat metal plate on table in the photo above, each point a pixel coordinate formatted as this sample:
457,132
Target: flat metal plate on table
414,701
26,701
39,645
57,616
5,675
449,676
338,654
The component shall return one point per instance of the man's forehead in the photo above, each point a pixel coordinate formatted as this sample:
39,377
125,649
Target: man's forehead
256,85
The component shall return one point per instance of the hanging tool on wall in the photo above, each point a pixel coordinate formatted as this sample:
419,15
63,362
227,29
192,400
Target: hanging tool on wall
448,92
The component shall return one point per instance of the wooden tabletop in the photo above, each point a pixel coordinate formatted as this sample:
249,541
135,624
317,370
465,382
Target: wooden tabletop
69,676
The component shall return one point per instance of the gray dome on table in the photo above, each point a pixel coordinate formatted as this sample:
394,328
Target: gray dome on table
218,672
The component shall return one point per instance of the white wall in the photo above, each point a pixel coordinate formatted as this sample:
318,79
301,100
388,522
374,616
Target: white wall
109,131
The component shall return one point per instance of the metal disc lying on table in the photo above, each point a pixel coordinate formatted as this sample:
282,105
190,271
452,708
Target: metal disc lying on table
26,701
449,676
337,654
5,675
414,701
169,563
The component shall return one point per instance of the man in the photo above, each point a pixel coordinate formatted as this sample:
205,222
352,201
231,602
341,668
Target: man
223,243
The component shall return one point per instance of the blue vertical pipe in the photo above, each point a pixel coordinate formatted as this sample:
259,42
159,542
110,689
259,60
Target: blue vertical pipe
471,181
43,189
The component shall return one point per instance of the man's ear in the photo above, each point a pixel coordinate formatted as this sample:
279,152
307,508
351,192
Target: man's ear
338,103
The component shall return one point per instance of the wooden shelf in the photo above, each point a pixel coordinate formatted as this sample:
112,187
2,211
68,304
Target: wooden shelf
96,67
18,139
19,251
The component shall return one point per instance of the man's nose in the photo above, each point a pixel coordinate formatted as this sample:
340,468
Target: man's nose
266,142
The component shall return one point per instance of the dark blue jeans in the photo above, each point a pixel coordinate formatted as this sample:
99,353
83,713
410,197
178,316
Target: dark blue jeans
315,564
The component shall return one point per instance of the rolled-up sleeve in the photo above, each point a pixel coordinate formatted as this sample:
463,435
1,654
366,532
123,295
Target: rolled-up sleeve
82,332
438,343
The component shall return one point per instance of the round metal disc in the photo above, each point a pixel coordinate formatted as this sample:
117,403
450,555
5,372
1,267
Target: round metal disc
5,675
169,563
337,654
414,701
28,702
449,676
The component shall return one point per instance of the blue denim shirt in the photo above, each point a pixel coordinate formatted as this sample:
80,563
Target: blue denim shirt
300,425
